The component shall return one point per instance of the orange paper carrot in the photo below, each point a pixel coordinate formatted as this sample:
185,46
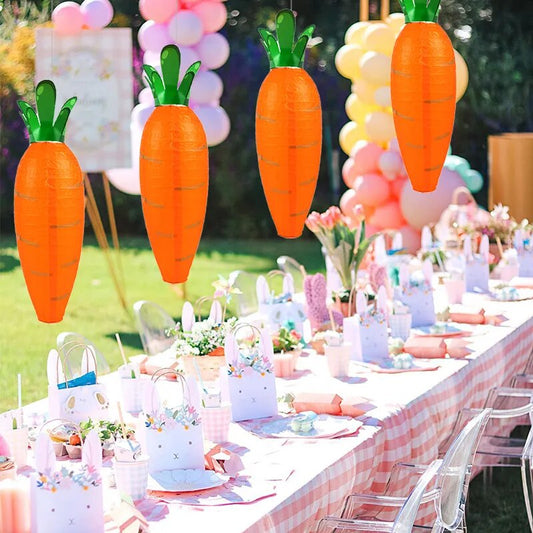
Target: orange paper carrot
423,93
288,127
174,170
49,206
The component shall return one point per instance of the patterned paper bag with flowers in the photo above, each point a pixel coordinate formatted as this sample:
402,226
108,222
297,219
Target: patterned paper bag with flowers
281,309
172,432
476,265
524,250
67,498
416,292
248,382
372,325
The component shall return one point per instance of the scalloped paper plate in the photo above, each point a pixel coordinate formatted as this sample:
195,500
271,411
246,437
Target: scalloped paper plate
185,480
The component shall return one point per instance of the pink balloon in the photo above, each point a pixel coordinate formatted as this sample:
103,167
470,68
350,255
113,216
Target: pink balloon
207,87
387,216
420,208
158,10
370,230
185,28
348,172
216,123
390,163
348,201
397,186
213,15
68,18
366,156
97,13
213,50
153,36
410,238
372,189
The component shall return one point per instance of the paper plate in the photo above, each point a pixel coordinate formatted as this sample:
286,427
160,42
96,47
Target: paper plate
521,294
184,480
450,330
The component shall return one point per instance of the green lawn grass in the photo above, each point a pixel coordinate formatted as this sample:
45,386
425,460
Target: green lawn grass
94,311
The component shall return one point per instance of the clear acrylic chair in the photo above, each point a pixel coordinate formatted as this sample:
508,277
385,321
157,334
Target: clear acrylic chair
289,265
152,323
525,379
74,344
247,300
448,493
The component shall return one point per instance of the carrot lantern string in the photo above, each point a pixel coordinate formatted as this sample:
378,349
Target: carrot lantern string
288,125
423,93
49,206
174,169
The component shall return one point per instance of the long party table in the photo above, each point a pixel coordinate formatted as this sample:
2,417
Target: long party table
294,482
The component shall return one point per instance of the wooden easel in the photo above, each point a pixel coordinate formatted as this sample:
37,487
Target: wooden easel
364,10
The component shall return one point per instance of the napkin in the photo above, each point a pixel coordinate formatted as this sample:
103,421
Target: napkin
467,315
425,347
356,406
457,348
223,461
320,403
150,365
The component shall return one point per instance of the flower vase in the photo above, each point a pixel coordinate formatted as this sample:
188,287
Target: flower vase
208,365
346,308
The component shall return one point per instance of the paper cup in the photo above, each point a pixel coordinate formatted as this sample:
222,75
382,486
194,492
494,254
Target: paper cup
338,358
131,477
455,288
18,444
400,325
215,422
283,364
132,394
352,335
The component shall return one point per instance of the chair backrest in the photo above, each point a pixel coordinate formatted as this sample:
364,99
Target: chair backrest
454,474
153,322
291,266
529,365
71,346
247,299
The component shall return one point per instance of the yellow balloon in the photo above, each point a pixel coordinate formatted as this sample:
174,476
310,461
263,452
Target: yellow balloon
365,91
375,68
357,110
379,126
380,38
349,135
354,34
382,96
461,76
347,61
395,21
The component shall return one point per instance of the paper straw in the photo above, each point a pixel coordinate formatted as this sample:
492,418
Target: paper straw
121,418
19,387
197,370
333,327
117,336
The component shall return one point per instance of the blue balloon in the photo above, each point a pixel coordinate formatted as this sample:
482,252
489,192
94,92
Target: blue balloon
474,180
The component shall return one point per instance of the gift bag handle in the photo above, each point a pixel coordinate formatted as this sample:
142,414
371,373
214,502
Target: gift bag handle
200,302
65,360
158,374
254,328
62,421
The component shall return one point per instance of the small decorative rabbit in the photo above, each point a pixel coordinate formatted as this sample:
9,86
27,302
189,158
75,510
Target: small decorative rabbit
248,381
476,265
66,499
417,294
315,296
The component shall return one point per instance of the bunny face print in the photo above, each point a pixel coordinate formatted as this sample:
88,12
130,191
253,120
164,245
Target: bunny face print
476,265
65,499
524,250
249,381
372,326
172,436
417,294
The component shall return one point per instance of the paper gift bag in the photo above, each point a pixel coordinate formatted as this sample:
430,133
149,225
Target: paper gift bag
67,498
79,398
524,250
281,309
172,432
248,381
416,293
476,265
373,326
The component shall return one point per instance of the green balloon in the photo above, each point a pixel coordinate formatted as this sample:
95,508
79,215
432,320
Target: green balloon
473,180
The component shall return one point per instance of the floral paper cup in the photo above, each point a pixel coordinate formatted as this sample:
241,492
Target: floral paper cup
131,477
338,358
18,444
132,393
400,325
215,422
455,288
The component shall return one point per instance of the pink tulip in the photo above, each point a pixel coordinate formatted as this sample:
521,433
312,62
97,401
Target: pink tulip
328,219
313,221
358,214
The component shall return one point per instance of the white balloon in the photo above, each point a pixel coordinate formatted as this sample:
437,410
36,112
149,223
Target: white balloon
207,87
146,96
152,58
382,96
125,179
185,28
141,113
213,50
188,57
215,121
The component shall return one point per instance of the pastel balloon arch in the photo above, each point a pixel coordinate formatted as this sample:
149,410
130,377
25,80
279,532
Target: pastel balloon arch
193,25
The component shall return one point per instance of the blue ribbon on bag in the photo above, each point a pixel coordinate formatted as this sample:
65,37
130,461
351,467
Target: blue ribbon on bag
86,379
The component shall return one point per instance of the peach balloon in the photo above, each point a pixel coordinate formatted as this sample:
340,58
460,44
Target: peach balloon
212,13
390,163
461,76
366,157
410,238
395,21
68,18
348,172
382,96
371,189
358,110
420,209
379,126
388,216
396,186
375,68
365,91
370,230
348,201
379,37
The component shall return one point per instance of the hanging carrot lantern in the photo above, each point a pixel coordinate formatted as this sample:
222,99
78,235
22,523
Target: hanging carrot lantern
423,93
288,128
174,169
49,206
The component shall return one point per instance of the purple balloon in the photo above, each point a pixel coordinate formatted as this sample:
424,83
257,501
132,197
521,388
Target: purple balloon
215,121
213,50
207,87
97,13
153,36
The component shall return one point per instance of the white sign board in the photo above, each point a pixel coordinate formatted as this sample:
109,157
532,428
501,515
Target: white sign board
95,66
